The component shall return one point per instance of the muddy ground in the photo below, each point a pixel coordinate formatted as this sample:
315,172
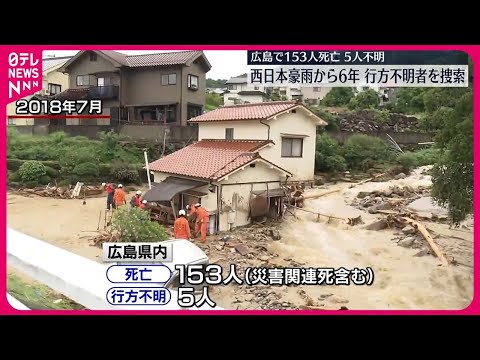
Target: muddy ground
407,274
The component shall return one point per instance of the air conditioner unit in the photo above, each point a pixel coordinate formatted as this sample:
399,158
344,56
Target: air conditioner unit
46,92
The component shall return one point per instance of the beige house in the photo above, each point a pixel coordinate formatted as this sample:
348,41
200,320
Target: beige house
139,89
244,154
53,82
239,91
313,95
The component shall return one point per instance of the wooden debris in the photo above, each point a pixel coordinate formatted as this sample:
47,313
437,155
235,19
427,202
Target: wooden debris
355,221
105,237
368,180
423,230
242,249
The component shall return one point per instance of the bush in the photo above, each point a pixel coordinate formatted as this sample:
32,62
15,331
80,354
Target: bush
45,180
428,156
408,161
14,177
327,157
134,225
52,164
367,99
53,173
86,171
125,173
14,164
32,170
360,147
76,156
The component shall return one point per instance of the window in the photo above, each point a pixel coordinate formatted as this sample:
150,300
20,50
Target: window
93,56
256,87
229,134
11,121
192,82
83,80
231,98
193,111
54,89
292,147
169,79
232,87
316,89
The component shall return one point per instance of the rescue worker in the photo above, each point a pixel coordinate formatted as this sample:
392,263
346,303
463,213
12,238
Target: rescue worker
119,196
191,217
181,228
202,221
135,200
143,205
190,209
110,190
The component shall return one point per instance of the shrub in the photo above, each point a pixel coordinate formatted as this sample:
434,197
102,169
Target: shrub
125,173
86,171
52,164
32,170
134,225
327,157
45,180
14,164
14,177
408,161
53,173
360,147
428,156
76,156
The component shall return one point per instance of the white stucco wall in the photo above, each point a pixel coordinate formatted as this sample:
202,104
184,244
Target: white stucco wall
298,123
235,194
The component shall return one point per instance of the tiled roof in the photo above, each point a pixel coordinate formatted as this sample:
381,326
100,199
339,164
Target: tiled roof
72,94
252,92
209,159
246,111
170,58
49,63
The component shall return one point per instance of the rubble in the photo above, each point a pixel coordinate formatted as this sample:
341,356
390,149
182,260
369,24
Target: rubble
62,192
364,122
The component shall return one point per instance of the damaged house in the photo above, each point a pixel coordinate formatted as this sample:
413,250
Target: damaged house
243,156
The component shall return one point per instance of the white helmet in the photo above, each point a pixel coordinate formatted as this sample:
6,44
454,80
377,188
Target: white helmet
139,192
188,207
103,184
181,212
120,185
144,201
197,205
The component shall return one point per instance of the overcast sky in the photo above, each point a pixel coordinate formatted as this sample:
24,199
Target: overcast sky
225,64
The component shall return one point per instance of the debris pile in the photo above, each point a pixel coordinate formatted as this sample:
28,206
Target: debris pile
365,121
103,237
62,192
395,198
56,191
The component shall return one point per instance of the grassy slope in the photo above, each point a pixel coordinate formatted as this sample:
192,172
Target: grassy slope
37,296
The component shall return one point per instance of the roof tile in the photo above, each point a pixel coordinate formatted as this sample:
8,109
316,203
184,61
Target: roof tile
246,111
170,58
209,159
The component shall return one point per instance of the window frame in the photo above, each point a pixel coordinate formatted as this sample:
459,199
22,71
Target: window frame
229,133
292,140
83,76
189,81
168,82
50,85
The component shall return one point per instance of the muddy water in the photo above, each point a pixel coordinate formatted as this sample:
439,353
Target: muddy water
402,281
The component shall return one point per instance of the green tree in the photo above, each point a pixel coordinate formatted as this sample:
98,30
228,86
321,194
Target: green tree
134,225
213,101
452,176
360,148
367,99
220,83
409,101
327,155
338,96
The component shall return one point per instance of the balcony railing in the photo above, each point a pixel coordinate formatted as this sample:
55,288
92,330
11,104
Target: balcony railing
103,92
78,278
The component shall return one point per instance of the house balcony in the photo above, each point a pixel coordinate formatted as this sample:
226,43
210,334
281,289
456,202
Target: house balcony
104,92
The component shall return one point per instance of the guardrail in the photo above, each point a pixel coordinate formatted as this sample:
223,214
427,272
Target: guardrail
78,278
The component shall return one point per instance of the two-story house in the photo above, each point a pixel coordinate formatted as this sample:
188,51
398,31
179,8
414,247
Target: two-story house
243,156
151,88
239,91
53,82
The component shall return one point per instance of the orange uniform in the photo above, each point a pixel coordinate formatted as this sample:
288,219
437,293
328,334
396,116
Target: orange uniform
191,209
181,229
202,222
119,197
142,206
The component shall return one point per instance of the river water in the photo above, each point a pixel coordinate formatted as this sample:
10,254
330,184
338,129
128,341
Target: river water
402,281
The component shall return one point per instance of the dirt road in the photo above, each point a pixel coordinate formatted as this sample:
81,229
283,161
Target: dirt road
402,279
